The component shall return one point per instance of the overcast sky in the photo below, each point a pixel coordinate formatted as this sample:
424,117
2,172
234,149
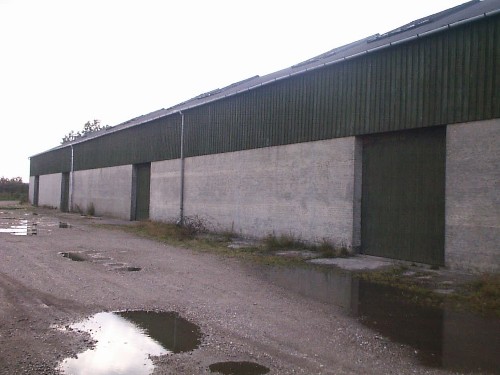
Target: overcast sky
64,62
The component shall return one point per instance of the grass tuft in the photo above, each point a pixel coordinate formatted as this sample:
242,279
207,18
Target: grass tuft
197,237
483,294
91,209
283,242
325,249
328,250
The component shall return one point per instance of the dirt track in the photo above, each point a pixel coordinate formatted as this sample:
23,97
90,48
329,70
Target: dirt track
243,317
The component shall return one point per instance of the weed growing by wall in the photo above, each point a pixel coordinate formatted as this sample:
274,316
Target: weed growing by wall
91,209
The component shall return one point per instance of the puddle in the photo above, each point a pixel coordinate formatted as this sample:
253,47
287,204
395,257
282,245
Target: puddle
20,227
97,258
172,331
16,230
132,269
123,267
126,340
73,256
441,338
238,368
320,284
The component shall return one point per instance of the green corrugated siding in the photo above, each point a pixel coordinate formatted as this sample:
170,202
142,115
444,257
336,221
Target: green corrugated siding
445,78
157,140
55,161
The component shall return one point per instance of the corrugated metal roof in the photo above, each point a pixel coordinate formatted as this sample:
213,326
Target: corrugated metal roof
464,13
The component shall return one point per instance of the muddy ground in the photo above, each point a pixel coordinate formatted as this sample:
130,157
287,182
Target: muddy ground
242,316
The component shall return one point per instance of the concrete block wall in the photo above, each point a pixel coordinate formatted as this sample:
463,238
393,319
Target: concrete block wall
304,189
472,205
357,193
165,191
49,190
309,190
109,190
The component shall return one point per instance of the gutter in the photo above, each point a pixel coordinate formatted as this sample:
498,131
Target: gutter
70,203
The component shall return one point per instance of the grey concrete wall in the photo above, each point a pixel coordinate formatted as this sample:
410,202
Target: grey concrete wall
49,193
473,196
304,189
165,191
31,191
357,194
108,189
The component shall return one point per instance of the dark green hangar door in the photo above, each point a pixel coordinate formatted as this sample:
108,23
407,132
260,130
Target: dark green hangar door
142,176
65,192
402,209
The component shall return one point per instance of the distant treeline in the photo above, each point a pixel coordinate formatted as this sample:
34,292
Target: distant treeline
13,189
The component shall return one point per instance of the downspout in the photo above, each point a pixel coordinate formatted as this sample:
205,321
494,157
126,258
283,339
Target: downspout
70,203
181,213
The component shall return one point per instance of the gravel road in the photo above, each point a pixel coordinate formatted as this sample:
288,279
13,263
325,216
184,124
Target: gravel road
242,317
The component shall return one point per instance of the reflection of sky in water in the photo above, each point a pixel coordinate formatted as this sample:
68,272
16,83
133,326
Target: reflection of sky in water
121,348
17,230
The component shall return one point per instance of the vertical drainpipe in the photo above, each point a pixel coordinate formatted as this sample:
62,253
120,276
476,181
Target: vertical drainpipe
181,214
70,203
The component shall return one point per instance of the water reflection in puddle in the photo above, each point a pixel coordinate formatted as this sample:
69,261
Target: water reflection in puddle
19,227
445,338
173,332
26,227
442,338
126,340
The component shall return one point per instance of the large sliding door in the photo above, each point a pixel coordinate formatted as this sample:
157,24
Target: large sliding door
64,192
402,210
142,178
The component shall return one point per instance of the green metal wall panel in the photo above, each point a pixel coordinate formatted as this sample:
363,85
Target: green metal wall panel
55,161
445,78
157,140
403,195
448,77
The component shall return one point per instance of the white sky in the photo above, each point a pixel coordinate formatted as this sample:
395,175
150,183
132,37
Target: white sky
64,62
